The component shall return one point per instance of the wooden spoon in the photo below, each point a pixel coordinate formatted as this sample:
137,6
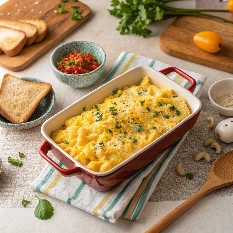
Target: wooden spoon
220,175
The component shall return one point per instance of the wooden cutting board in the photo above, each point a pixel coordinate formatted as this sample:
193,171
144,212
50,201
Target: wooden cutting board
59,26
177,41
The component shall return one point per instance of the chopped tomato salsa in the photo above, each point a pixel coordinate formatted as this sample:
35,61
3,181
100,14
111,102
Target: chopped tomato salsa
78,63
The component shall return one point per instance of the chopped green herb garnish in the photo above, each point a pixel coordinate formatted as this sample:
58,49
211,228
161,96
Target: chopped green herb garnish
21,155
133,139
117,125
113,111
177,112
160,103
147,109
115,91
99,146
66,142
138,127
76,15
84,109
142,91
155,114
14,161
142,102
64,0
99,116
189,175
96,107
172,107
62,9
166,116
109,130
25,202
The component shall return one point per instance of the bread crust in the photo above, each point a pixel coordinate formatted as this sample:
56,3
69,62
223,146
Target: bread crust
12,41
41,27
19,98
29,29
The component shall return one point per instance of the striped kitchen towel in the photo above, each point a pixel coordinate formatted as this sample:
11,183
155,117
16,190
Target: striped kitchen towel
128,199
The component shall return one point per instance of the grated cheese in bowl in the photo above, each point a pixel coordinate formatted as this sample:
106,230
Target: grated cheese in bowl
225,100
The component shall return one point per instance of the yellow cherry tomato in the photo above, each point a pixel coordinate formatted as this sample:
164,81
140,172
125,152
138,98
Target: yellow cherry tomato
208,41
230,6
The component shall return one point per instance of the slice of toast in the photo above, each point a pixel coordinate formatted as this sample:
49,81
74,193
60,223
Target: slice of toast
11,41
41,27
29,29
20,98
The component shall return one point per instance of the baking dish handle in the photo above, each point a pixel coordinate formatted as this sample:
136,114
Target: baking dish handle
43,151
182,74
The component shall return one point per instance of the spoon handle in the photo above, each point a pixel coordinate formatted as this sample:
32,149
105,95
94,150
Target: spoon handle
178,211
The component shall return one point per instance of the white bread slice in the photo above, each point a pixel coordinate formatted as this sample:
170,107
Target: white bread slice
41,27
20,98
11,41
29,29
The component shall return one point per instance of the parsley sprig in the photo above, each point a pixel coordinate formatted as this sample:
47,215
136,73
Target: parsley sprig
44,209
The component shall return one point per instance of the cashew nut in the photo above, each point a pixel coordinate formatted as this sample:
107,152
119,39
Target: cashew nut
208,141
202,155
180,169
216,146
212,122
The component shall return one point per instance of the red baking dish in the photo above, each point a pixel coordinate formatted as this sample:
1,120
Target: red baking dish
107,180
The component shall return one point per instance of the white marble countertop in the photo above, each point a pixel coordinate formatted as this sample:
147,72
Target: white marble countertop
212,214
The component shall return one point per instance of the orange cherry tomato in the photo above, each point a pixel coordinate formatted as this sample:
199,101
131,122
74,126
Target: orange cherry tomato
208,41
230,5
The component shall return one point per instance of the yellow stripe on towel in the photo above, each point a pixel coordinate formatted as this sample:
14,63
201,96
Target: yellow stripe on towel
103,201
126,67
140,191
53,183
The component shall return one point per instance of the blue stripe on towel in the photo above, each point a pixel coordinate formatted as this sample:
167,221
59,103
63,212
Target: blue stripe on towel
109,77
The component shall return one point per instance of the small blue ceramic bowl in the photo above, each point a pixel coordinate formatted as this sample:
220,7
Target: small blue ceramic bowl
78,80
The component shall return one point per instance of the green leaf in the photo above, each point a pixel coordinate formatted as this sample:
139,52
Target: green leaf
159,13
25,202
21,155
76,15
189,175
44,209
14,161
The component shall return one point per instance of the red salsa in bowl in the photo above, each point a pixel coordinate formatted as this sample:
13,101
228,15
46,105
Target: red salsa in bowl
78,63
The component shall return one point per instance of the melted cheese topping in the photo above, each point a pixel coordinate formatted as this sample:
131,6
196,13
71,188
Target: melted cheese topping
107,134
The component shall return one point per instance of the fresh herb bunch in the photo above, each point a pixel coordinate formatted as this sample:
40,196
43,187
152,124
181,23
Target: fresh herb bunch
136,15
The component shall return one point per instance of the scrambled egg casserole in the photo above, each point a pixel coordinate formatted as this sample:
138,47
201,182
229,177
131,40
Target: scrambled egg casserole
108,133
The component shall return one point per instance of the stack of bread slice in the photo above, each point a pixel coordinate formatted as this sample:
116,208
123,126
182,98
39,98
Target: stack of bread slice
20,98
16,34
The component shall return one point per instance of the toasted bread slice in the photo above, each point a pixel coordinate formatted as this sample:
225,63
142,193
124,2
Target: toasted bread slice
41,27
29,29
11,41
20,98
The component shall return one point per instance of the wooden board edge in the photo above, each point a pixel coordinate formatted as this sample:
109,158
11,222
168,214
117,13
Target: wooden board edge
23,65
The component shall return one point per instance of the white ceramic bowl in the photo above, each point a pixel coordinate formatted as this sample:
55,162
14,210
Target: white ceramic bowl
220,88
